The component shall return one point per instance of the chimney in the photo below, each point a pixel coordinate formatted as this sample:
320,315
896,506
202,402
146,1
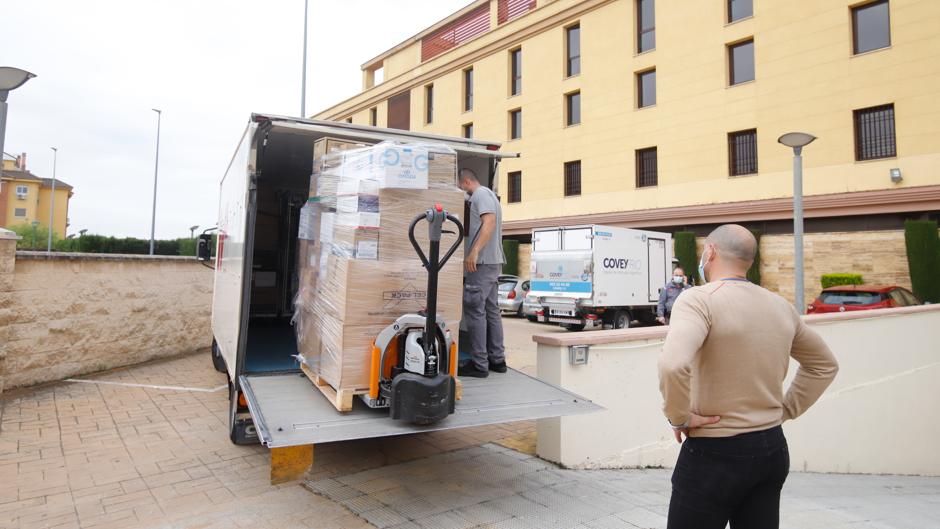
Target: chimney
21,162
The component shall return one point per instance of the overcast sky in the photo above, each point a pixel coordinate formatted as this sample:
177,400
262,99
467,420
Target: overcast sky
102,65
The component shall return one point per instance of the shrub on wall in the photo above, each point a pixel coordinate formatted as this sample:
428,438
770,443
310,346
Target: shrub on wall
834,280
685,252
753,275
923,258
511,251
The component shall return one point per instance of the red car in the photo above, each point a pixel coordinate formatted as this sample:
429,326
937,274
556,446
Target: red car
862,297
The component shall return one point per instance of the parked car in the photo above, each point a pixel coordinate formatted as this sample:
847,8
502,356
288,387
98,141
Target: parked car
861,297
512,290
531,307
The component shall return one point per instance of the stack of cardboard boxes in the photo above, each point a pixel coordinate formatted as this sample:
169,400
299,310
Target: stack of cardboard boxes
358,270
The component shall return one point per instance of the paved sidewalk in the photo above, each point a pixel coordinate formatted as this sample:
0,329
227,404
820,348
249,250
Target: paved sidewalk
494,487
148,447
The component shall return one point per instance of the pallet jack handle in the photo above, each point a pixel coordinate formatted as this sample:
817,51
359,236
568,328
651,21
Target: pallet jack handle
436,217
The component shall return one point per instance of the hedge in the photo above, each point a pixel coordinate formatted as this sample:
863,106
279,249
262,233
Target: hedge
511,251
685,251
923,258
753,274
834,280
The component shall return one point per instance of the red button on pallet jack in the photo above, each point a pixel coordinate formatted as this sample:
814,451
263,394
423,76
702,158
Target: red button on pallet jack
438,207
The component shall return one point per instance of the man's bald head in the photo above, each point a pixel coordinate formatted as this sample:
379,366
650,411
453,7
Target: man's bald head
734,241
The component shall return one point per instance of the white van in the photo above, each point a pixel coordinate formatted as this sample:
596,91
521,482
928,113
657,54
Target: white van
270,399
593,276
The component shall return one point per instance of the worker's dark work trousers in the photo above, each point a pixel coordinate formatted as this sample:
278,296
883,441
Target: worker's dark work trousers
483,320
736,479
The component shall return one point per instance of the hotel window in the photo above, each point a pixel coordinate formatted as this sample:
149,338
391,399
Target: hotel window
573,178
468,89
573,108
515,124
742,152
468,130
874,133
870,27
741,62
515,72
373,116
645,25
646,88
573,50
21,191
19,213
646,171
738,9
429,104
515,187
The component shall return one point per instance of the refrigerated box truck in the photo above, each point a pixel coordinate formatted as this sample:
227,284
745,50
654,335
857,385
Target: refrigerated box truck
270,400
593,276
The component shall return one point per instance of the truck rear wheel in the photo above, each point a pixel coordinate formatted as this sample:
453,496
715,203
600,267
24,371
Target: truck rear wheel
217,361
621,320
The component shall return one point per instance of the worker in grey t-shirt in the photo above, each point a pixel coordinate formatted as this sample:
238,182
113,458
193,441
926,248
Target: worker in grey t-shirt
482,265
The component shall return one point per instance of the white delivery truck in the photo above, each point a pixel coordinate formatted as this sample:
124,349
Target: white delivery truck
593,276
270,399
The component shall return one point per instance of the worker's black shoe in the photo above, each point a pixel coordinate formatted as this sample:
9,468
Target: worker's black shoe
470,370
498,368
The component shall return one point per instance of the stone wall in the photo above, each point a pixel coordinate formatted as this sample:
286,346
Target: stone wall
64,315
879,256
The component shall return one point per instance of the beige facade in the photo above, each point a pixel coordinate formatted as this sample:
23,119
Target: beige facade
69,314
806,78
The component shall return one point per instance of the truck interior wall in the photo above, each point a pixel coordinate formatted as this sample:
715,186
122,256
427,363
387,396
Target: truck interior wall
284,164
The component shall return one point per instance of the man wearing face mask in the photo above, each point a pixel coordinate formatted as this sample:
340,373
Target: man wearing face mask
668,295
721,375
483,262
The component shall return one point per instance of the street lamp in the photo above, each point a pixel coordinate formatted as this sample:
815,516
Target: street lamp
156,165
192,231
81,236
796,141
35,224
10,79
303,75
55,156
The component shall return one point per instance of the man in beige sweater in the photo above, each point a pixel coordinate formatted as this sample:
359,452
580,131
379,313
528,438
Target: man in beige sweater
721,375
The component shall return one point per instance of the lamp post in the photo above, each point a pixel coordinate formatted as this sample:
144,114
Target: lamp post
192,231
303,77
81,237
156,166
35,224
796,141
10,79
55,156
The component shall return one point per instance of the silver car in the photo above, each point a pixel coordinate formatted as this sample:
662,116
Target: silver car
512,290
531,306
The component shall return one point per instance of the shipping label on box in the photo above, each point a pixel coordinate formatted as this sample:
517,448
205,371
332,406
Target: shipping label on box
357,204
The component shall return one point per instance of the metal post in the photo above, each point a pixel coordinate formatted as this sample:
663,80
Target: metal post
303,78
3,121
156,165
55,156
798,227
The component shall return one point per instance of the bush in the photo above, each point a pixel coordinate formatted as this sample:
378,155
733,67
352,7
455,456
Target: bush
511,251
33,238
685,251
834,280
923,258
753,275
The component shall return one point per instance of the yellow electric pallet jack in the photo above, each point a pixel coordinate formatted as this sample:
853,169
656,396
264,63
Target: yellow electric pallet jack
414,360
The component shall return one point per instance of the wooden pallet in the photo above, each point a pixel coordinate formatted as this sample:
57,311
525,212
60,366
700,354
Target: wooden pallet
341,399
